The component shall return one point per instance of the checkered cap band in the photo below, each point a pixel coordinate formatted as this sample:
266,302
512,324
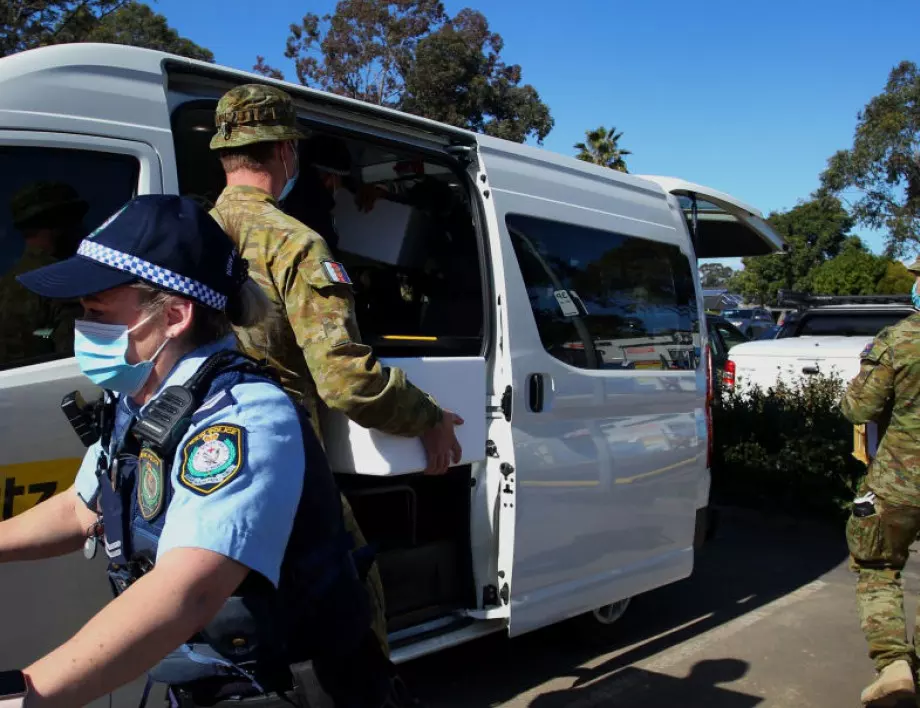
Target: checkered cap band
152,273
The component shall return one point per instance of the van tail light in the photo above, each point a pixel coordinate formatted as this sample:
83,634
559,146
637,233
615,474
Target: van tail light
728,374
709,397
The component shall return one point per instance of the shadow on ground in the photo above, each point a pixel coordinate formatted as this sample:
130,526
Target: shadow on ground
750,562
638,687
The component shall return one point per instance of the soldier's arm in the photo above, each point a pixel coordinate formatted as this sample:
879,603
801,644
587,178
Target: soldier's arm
348,376
870,393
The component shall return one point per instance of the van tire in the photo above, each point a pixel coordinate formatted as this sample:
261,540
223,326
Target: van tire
601,625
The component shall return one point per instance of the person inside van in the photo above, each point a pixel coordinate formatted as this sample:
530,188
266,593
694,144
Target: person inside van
49,216
327,169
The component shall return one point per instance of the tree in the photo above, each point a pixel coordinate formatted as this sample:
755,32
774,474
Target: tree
715,275
855,271
137,25
602,148
458,77
814,231
27,24
884,162
897,279
410,55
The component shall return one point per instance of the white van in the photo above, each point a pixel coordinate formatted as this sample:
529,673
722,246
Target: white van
554,304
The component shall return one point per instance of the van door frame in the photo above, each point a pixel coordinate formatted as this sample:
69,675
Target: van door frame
150,175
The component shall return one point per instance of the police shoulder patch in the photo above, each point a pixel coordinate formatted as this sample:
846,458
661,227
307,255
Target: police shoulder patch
212,458
335,271
150,484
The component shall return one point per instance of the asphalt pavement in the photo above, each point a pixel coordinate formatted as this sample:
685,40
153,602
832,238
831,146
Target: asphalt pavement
768,619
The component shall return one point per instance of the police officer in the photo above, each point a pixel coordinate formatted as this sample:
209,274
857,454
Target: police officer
232,580
312,339
885,518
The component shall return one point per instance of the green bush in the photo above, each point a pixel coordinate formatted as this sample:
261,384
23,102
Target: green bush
786,450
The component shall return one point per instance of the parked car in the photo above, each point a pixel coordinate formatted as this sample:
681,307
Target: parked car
770,333
751,321
826,336
723,335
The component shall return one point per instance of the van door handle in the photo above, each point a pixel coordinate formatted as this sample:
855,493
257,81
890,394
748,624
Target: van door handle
535,392
811,370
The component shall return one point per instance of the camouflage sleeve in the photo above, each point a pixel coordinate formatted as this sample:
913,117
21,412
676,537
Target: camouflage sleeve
348,376
870,392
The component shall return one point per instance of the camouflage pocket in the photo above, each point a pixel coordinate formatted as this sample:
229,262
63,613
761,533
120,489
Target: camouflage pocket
864,538
883,538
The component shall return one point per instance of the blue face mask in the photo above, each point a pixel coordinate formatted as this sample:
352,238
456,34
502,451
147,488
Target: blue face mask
292,180
914,297
100,350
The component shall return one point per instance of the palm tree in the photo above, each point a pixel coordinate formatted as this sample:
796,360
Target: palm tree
602,149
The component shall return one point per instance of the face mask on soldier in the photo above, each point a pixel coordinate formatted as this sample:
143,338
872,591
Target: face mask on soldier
292,179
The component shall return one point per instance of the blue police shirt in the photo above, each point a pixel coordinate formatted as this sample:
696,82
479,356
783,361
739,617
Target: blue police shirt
237,475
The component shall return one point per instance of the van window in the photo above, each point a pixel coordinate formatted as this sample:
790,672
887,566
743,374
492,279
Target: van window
401,223
50,198
607,300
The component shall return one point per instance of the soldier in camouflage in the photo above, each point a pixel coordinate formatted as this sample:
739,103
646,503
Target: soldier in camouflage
49,215
885,519
313,339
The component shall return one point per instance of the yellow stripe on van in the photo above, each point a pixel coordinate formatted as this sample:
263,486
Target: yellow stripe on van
410,337
22,486
660,470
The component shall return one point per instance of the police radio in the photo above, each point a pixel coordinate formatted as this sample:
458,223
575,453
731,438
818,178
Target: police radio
81,416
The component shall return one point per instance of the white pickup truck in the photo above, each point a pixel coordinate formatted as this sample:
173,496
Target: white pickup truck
823,337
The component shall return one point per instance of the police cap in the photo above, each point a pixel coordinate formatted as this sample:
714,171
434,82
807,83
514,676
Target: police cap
167,241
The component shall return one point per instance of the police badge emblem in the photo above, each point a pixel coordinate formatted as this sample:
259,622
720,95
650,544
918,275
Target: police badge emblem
212,458
150,484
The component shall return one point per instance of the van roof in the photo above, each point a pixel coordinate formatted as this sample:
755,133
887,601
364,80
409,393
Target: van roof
85,64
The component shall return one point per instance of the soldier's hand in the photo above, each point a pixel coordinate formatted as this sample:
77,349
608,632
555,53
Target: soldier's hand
441,445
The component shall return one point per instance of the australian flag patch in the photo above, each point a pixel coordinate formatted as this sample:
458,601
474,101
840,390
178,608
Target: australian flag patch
336,272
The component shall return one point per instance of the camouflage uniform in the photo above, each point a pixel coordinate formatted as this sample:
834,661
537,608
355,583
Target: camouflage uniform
887,391
312,338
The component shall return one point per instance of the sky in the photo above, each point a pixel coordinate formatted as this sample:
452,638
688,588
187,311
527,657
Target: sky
750,98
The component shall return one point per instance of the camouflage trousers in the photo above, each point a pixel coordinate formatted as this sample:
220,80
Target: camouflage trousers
879,547
373,583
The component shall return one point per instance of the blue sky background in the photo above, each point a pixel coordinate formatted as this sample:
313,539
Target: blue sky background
748,98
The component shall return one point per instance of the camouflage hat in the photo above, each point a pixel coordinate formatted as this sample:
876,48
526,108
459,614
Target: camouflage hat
40,200
254,113
915,266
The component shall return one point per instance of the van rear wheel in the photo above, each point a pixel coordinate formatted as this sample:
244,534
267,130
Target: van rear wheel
600,625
